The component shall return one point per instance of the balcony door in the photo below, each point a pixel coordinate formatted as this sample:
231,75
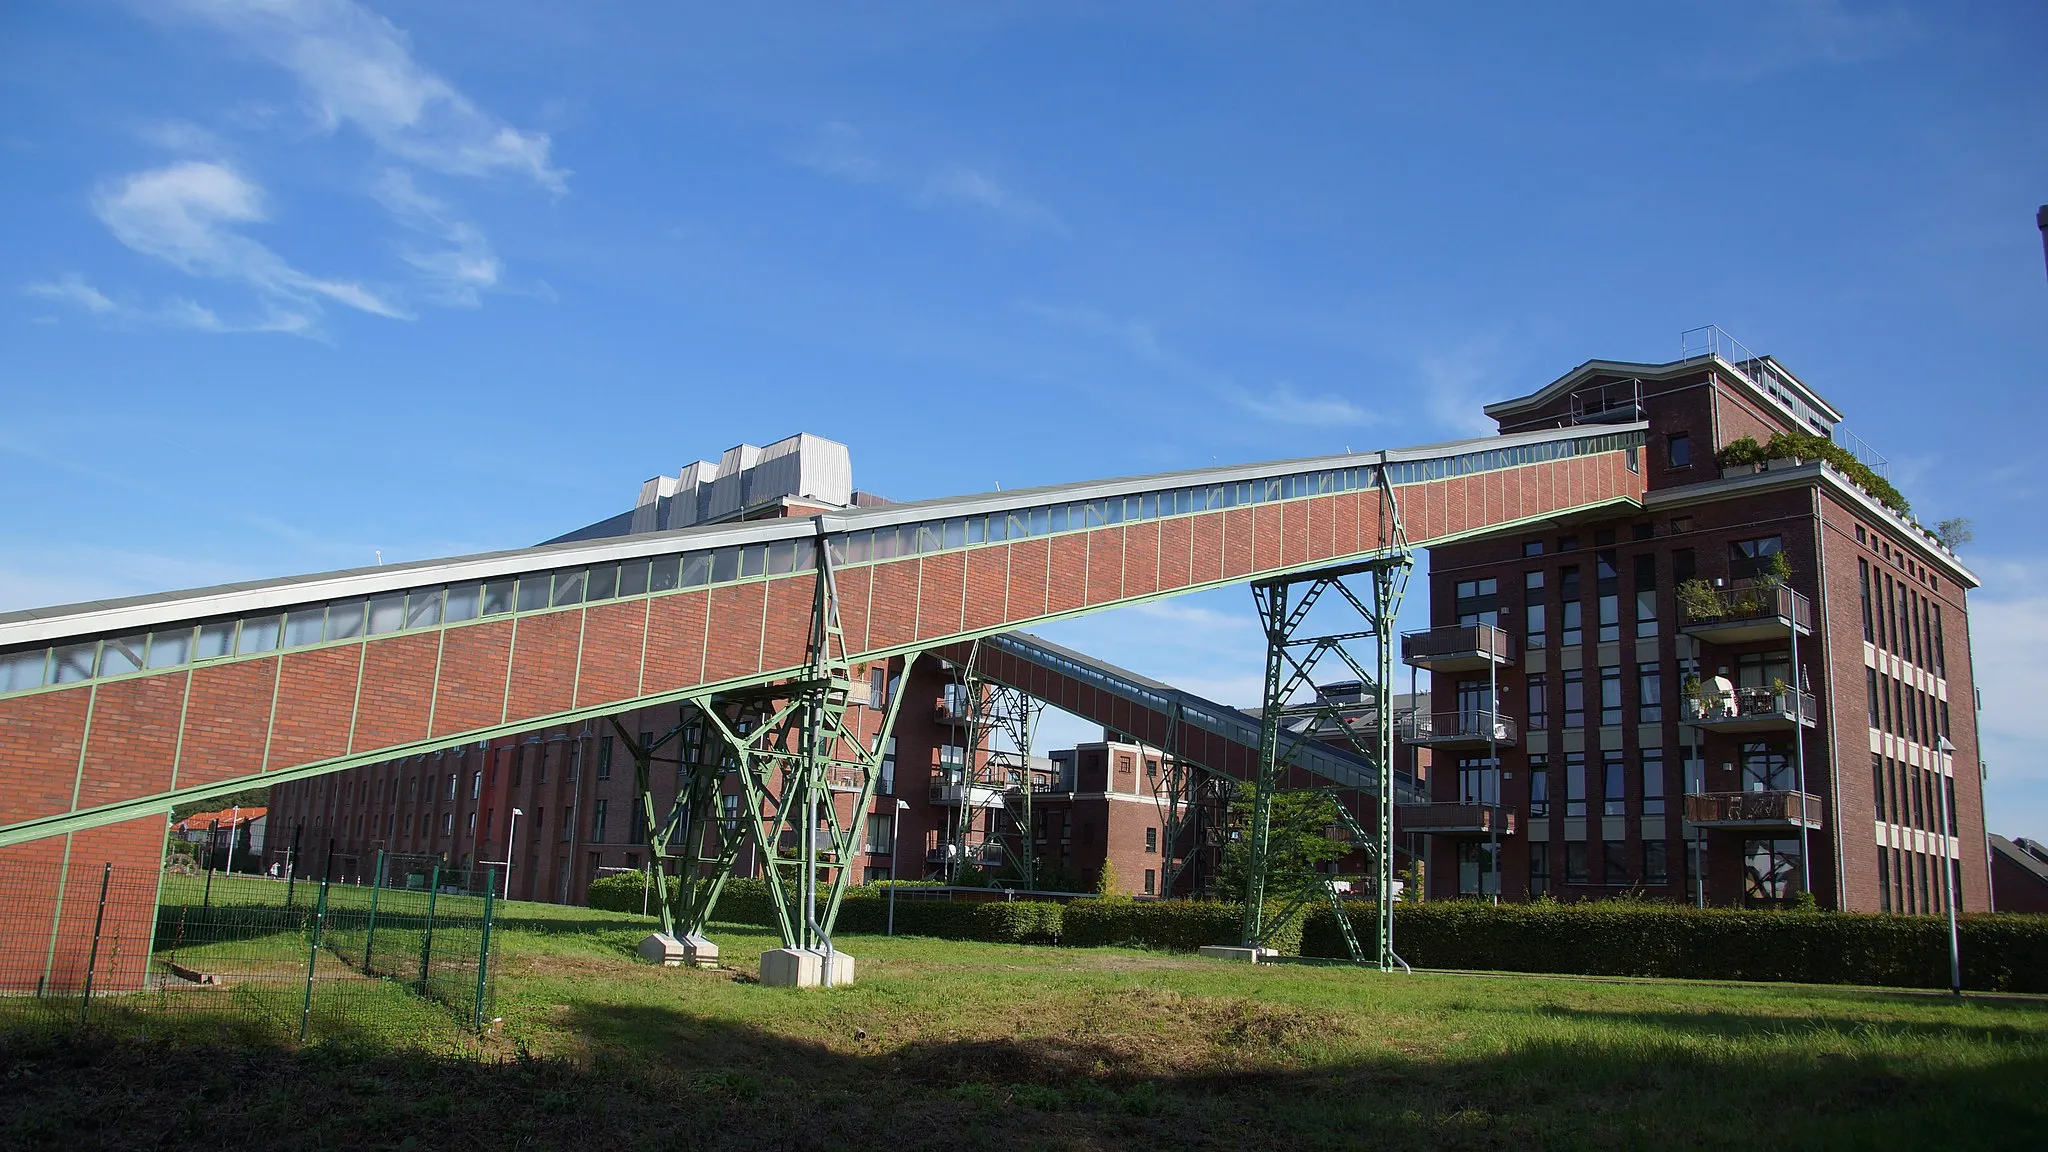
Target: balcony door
1767,768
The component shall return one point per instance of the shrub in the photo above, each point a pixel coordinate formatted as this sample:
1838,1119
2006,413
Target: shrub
1624,938
1169,925
994,921
628,891
1806,446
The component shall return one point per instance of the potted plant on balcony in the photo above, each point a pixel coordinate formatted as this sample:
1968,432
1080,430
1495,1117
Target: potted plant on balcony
1698,600
1742,457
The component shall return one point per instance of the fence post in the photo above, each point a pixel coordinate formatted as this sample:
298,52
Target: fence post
212,835
483,948
312,958
92,958
427,937
370,934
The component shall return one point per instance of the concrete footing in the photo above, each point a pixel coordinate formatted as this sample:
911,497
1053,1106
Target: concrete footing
699,952
1235,953
662,949
804,968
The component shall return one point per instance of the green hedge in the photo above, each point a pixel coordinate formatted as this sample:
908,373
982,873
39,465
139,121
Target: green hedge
624,892
1170,925
1618,938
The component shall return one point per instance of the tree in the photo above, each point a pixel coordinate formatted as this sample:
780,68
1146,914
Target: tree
1297,846
1106,884
1955,532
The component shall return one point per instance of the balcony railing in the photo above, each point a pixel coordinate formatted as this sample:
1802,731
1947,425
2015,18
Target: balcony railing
1457,647
976,851
1456,819
1456,729
841,778
1752,710
1753,809
974,795
1748,612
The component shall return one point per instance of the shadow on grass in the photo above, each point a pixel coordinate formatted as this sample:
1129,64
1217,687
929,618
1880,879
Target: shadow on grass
1224,1074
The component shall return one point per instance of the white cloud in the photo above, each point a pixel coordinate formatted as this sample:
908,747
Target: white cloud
186,214
1282,404
71,288
357,68
839,150
460,270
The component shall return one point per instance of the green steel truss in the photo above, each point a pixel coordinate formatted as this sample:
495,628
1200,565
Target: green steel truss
788,749
1001,722
1293,653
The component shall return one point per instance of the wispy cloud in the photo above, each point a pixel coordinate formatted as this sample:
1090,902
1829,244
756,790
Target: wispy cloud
464,265
1284,404
357,68
188,214
72,289
839,150
1457,384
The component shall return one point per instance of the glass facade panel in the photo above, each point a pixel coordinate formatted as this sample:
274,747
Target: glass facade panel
345,620
387,614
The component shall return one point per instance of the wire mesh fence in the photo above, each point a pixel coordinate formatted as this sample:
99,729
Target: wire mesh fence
407,947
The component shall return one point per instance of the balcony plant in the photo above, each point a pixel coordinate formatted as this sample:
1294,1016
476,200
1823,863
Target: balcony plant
1805,446
1698,600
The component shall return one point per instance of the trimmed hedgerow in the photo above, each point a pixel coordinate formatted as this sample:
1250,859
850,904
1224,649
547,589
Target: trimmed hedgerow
626,892
1169,925
1620,938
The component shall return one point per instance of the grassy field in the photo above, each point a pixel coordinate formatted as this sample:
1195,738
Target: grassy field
942,1044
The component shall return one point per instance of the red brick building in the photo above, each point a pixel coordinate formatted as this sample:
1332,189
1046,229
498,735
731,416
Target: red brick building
1759,680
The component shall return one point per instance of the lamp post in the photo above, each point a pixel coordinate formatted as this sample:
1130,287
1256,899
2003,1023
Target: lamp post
1945,780
895,825
511,841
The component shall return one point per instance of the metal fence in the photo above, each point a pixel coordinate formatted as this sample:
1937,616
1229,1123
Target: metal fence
296,958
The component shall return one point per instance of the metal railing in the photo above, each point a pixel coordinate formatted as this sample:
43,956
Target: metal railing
1752,600
1457,640
1762,808
1444,727
1752,703
1474,818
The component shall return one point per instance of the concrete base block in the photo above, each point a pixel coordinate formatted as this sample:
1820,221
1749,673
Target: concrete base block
662,949
803,968
699,952
1240,955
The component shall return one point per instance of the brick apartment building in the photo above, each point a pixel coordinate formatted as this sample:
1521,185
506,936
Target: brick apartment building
1585,734
1809,711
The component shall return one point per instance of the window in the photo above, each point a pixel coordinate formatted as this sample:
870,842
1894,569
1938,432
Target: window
1749,558
1575,698
1152,841
1532,548
1539,869
1476,781
1151,882
1476,875
518,764
1678,450
1614,862
597,815
1770,869
1568,585
1653,781
1613,784
476,785
1574,785
1646,595
1478,601
1567,543
1884,873
1649,693
1940,650
1533,609
881,837
569,822
1539,702
452,776
1575,869
1607,586
886,786
1610,694
1871,694
1539,786
604,757
1765,768
1863,589
472,823
448,823
1877,789
1656,863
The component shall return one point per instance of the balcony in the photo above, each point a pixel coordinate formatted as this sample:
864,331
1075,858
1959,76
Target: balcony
979,852
1456,729
1456,819
950,711
1752,710
1457,648
1746,613
843,778
954,794
1761,810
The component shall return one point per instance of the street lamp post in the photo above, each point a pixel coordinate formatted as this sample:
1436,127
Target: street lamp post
1946,782
511,841
895,826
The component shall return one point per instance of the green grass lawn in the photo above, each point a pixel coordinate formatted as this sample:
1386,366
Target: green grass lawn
942,1045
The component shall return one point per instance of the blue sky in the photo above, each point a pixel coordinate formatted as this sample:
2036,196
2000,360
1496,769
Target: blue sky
286,283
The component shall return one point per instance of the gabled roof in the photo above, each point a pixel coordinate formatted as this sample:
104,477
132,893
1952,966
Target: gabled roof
1624,369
